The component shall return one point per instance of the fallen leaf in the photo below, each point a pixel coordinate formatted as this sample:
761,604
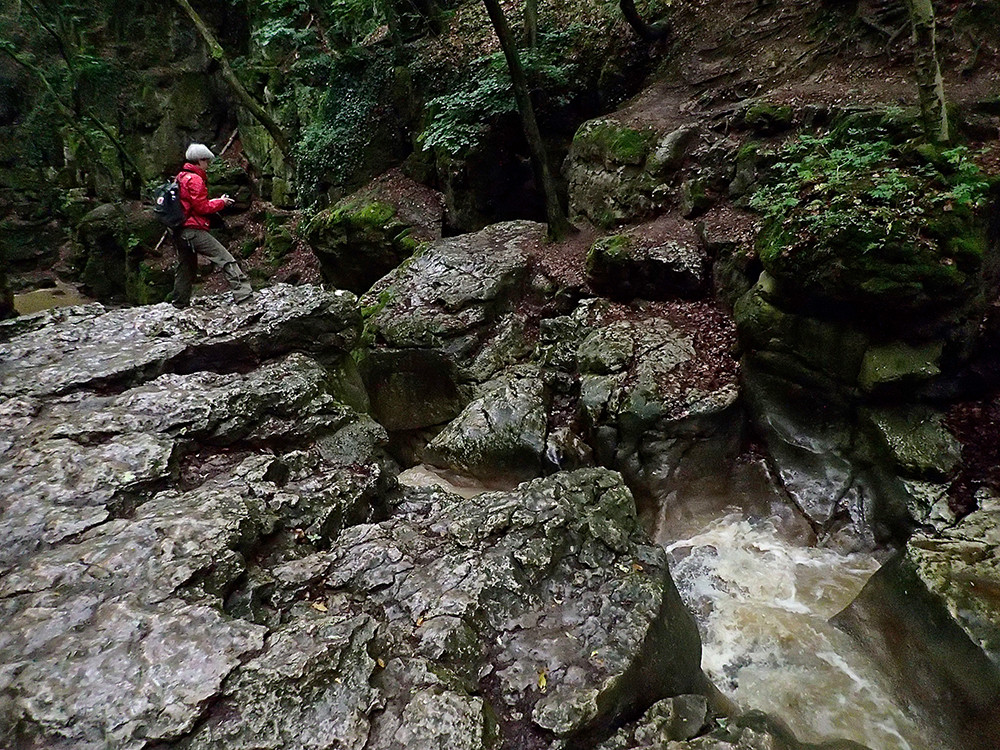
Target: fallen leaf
318,606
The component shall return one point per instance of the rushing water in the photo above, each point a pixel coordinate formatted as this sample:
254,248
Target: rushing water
746,565
763,595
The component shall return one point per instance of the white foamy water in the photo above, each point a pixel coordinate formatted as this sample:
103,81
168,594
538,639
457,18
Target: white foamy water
762,604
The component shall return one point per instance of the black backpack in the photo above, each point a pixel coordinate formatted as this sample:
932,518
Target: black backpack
167,204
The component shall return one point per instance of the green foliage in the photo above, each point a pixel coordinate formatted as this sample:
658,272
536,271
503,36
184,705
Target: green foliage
880,189
293,26
854,214
332,147
461,118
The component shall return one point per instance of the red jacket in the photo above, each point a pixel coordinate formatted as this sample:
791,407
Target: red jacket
194,197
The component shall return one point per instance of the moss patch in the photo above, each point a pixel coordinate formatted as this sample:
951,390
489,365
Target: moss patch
610,142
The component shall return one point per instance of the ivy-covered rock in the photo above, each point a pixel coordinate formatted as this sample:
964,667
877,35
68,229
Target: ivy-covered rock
6,293
860,227
110,255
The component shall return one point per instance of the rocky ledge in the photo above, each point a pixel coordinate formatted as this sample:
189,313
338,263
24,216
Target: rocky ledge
205,545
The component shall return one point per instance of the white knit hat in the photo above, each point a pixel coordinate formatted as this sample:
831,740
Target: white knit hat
198,151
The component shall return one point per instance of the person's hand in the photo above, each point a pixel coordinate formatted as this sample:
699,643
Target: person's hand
229,201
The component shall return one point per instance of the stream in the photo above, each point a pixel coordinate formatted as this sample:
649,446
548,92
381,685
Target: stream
60,295
762,593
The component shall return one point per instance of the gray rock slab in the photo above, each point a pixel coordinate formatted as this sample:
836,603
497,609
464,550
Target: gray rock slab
285,400
308,690
137,343
114,671
547,591
59,488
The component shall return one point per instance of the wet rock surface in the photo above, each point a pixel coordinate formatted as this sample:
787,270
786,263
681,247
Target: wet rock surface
205,546
93,348
934,610
444,320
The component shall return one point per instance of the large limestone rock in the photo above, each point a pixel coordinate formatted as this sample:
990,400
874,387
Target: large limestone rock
629,265
446,319
544,599
204,546
658,391
500,435
838,409
620,171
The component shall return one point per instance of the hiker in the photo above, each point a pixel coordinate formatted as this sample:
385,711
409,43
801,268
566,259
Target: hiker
192,238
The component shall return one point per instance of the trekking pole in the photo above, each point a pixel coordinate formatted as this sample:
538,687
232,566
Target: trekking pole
158,244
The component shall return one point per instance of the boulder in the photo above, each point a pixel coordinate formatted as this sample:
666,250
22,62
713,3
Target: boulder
620,172
658,393
544,601
369,233
625,266
109,254
500,436
444,320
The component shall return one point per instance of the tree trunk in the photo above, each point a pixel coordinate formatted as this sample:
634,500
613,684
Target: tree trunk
643,29
531,23
559,225
930,87
244,97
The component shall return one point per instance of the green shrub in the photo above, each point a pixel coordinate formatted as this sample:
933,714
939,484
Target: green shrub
459,119
857,217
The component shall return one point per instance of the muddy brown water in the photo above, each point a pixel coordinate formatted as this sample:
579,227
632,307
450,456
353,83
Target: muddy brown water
61,295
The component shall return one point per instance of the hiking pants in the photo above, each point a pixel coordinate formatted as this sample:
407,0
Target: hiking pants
191,243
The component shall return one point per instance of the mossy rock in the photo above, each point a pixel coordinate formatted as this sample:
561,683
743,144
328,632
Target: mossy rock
111,242
145,284
613,143
914,440
6,293
861,226
626,266
358,243
766,117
